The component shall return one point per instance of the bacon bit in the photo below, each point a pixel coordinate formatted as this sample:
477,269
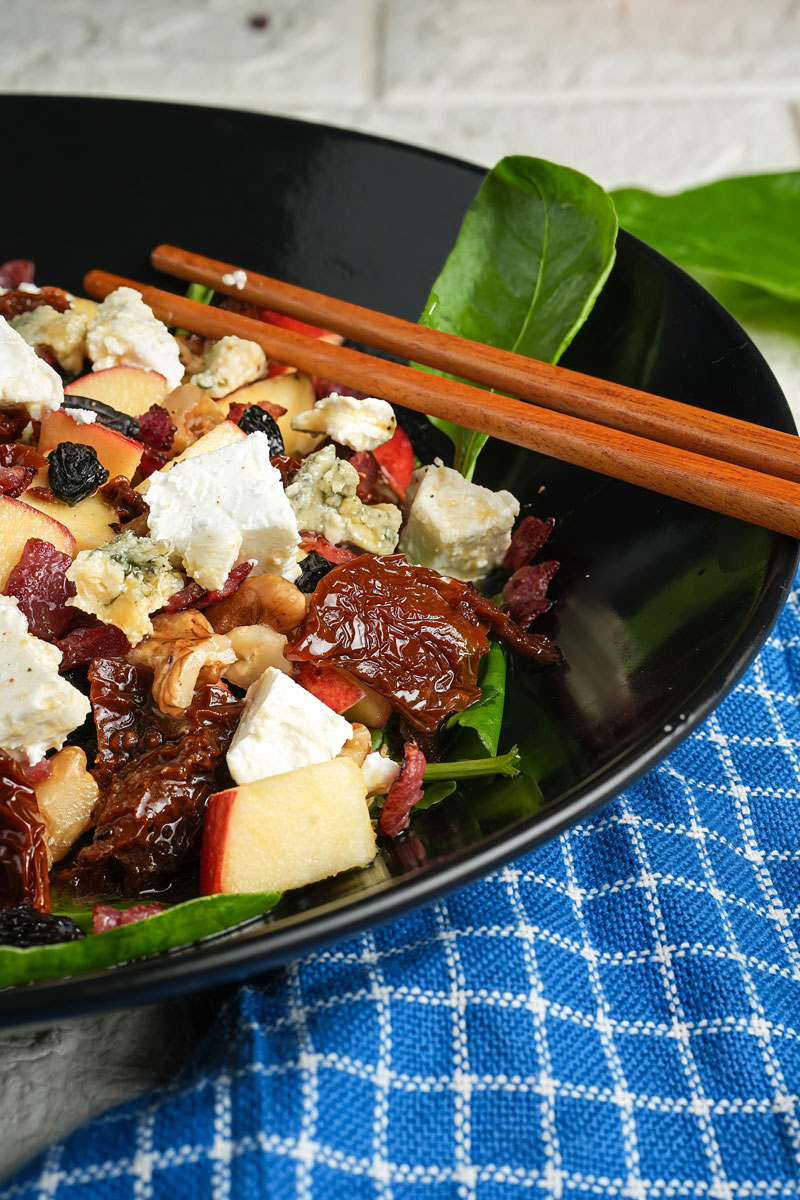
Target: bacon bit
237,410
105,916
315,541
14,455
14,480
39,583
286,465
404,793
85,642
195,596
528,539
127,502
368,471
535,646
12,421
396,461
16,271
526,592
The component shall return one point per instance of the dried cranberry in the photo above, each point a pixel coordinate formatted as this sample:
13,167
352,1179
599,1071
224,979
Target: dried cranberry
16,271
105,916
257,420
529,537
24,926
74,471
40,585
156,429
526,591
404,793
14,480
12,421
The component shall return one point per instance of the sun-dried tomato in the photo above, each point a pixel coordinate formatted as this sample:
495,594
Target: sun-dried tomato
17,301
195,596
40,585
125,500
23,853
155,774
398,628
532,645
404,793
12,421
286,465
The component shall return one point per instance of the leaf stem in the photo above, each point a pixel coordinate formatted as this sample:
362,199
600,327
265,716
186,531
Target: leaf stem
503,764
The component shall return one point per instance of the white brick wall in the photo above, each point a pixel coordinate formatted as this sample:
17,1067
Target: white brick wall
661,93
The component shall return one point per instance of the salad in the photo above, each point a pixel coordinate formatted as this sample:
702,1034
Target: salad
237,615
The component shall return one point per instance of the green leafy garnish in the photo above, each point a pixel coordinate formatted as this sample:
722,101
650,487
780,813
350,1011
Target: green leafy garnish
469,768
176,926
200,293
477,728
435,794
534,250
744,228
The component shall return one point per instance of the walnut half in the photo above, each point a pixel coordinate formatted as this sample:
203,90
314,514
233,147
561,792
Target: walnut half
183,652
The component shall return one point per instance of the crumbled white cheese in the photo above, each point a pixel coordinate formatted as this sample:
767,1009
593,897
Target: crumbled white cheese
360,424
24,377
454,526
235,279
81,416
125,331
230,363
283,727
39,707
122,582
379,773
62,332
323,496
226,507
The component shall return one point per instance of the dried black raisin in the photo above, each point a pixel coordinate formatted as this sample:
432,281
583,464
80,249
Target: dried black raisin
74,471
105,414
312,569
24,926
257,420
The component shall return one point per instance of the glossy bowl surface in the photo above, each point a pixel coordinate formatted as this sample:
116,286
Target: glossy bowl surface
660,606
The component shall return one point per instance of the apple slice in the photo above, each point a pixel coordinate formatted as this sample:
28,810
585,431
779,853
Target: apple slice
335,688
18,522
287,831
130,390
293,392
119,455
89,521
66,801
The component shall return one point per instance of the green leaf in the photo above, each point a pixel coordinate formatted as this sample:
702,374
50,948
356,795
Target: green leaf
469,768
176,926
534,250
477,728
434,794
200,293
745,228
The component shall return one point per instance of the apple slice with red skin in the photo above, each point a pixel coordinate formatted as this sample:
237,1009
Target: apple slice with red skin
396,461
333,687
18,522
89,521
288,830
119,455
130,390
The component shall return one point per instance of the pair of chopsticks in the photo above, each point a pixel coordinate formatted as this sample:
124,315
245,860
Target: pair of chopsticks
717,462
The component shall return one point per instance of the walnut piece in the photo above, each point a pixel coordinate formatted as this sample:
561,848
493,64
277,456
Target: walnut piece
359,745
263,600
183,652
256,647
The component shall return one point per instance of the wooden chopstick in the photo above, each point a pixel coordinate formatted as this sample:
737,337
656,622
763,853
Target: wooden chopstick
566,391
724,487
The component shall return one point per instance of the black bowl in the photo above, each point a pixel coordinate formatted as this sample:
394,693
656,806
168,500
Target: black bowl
661,606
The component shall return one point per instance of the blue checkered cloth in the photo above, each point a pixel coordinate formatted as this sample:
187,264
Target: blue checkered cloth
615,1014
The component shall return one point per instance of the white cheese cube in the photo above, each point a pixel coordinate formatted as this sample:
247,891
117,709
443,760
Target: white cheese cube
39,707
456,527
125,331
226,507
283,727
360,424
379,773
24,377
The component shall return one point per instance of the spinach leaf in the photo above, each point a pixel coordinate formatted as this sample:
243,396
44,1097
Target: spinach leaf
477,728
534,250
200,293
745,228
470,768
176,926
434,794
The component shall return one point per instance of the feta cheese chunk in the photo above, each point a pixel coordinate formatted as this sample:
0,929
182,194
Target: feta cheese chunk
379,773
226,507
283,727
359,424
237,279
62,332
39,707
123,582
323,496
124,331
24,377
230,363
456,527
